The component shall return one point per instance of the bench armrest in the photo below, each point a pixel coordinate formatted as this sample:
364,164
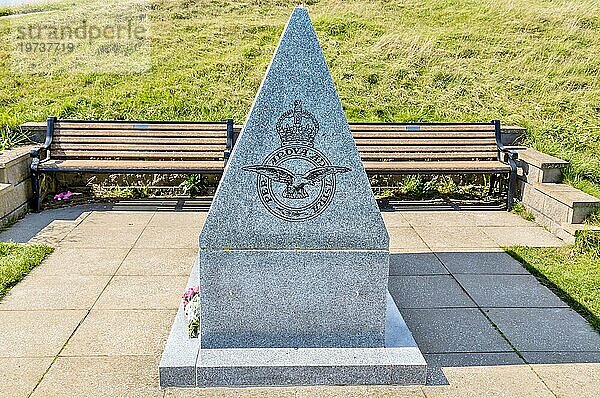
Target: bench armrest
41,153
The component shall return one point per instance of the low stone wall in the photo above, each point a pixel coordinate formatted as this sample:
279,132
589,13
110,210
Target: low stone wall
15,183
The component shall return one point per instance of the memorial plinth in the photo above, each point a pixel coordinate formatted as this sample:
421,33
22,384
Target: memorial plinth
293,260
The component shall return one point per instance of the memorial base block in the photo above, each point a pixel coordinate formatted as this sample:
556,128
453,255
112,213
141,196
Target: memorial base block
185,364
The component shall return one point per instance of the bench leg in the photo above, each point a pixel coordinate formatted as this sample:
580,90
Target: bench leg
37,201
492,184
512,182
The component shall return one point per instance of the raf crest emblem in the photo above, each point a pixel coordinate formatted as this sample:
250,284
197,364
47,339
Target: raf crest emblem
296,182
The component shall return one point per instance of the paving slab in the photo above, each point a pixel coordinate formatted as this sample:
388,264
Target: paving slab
33,223
53,234
81,261
480,261
142,292
440,238
171,219
545,329
508,291
394,220
118,376
498,218
430,291
411,263
579,380
173,238
405,238
557,357
451,218
525,236
359,392
121,332
158,262
54,292
490,381
36,333
228,392
454,359
18,376
436,363
458,330
98,236
118,218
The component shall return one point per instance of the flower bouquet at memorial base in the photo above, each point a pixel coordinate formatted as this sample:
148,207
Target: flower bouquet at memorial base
191,305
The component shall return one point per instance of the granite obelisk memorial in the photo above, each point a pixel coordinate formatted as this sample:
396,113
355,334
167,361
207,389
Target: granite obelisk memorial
294,255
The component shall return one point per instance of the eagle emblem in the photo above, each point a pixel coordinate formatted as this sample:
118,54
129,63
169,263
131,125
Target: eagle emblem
296,182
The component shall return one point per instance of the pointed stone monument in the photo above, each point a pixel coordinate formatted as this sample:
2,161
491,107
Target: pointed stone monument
293,261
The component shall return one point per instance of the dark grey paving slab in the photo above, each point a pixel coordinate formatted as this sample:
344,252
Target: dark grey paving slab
561,356
508,291
481,262
458,330
473,359
544,329
431,291
30,225
415,264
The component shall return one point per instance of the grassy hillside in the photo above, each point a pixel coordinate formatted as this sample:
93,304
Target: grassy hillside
533,63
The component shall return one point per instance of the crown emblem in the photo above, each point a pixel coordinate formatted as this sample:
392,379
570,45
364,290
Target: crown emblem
297,126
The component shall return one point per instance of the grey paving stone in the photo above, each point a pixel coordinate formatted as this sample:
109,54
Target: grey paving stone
435,363
480,262
508,291
431,291
545,329
446,330
473,359
539,357
415,264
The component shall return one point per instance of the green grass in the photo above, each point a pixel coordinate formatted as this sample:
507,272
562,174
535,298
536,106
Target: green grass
572,273
16,260
526,62
520,210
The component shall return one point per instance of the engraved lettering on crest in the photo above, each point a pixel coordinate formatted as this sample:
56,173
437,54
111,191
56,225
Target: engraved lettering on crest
296,182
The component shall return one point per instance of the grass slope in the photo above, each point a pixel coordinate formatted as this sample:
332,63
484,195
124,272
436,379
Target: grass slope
526,62
16,260
574,275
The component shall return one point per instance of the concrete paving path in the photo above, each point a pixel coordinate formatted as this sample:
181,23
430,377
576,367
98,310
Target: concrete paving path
92,320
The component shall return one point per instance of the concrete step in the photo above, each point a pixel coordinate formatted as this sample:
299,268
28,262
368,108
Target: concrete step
555,205
569,232
538,167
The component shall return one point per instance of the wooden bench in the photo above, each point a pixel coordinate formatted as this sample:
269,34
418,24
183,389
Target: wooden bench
434,148
131,147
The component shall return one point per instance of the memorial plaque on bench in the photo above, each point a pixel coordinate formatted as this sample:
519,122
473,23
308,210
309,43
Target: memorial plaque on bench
293,260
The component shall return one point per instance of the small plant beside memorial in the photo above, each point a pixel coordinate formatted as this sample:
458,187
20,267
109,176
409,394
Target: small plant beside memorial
191,305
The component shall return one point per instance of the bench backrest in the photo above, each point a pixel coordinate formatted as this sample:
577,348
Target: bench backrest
139,140
423,141
426,141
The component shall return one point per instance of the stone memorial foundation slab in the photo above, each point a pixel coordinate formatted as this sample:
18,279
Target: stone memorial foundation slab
294,255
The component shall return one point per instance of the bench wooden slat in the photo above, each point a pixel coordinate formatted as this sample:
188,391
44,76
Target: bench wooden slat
140,140
138,147
426,127
141,126
137,154
433,167
429,156
140,133
427,148
430,141
449,135
132,166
